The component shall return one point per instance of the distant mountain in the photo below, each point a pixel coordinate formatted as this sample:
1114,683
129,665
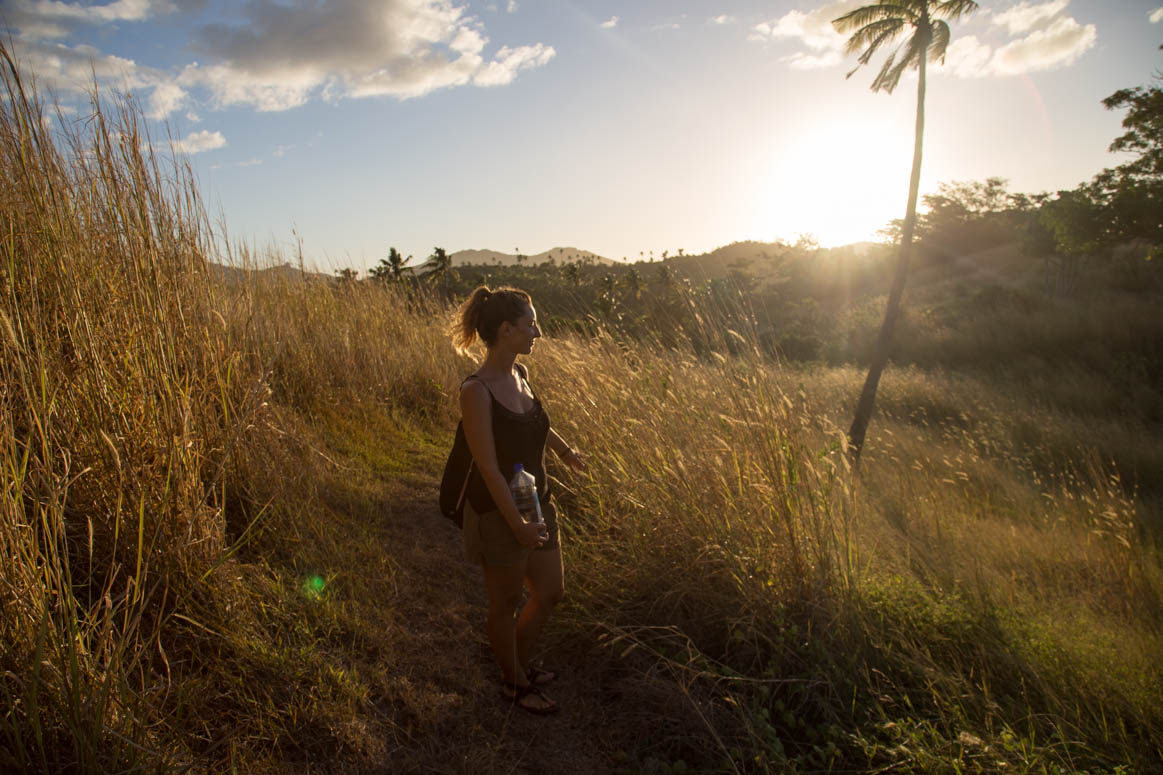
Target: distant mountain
283,272
751,257
721,261
759,259
558,255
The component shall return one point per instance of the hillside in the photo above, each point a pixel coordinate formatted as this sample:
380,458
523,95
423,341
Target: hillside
236,276
555,255
747,256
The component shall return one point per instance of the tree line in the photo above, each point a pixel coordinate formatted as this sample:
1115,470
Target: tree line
1068,230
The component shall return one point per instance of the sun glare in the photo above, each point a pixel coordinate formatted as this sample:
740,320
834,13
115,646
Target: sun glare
837,182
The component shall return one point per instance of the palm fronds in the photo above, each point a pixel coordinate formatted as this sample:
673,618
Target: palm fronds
953,9
871,36
870,14
939,43
890,74
875,26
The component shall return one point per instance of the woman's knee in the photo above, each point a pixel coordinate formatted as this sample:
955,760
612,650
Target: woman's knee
551,596
504,604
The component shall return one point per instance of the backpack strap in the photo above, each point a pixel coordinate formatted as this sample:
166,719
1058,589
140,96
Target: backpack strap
459,450
463,496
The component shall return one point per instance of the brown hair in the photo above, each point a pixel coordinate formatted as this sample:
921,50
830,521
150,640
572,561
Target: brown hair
482,314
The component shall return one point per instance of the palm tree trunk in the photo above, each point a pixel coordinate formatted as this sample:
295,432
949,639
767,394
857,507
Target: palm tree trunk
859,428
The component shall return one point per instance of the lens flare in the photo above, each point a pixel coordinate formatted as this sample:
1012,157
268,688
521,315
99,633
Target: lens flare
313,587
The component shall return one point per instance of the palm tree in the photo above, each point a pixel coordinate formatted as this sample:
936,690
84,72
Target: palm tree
873,27
633,282
390,268
438,264
396,263
573,274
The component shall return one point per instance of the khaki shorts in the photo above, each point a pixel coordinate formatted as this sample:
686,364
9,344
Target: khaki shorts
488,539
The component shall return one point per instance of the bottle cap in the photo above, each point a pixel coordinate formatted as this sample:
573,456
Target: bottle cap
518,467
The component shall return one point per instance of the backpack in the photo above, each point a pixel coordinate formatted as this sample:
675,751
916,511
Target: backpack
454,482
458,469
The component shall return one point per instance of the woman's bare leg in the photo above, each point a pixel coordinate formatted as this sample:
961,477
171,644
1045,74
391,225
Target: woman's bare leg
546,579
504,585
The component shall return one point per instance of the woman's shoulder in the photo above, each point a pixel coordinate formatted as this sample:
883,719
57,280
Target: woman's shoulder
474,388
473,383
475,398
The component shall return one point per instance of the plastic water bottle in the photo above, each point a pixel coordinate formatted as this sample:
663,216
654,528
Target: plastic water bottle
524,489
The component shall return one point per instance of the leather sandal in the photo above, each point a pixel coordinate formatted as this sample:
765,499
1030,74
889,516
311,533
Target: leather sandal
531,690
538,675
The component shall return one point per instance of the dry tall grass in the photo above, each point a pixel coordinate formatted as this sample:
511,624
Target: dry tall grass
958,568
123,402
969,602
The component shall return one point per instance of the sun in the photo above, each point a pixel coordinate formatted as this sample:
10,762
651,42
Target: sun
840,181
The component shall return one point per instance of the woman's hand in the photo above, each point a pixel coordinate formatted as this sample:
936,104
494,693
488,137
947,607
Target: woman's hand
574,459
532,534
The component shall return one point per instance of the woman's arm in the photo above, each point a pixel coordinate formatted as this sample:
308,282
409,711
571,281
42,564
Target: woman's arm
478,432
570,456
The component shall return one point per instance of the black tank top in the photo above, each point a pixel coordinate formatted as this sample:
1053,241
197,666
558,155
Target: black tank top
519,438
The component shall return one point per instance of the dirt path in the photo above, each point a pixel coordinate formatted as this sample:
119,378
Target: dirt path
447,709
398,655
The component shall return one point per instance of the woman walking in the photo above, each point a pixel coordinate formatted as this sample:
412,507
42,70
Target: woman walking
505,425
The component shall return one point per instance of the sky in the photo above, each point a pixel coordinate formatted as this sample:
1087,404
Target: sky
625,128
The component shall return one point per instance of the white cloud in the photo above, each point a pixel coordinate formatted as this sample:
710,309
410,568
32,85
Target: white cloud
199,142
512,8
666,26
278,56
610,23
193,117
165,99
71,69
282,56
47,19
722,19
804,61
1156,16
1024,16
56,113
503,69
229,87
1049,40
967,57
813,28
281,150
250,163
468,41
37,29
1058,45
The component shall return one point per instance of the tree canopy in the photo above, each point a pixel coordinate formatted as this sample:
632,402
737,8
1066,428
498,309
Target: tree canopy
877,25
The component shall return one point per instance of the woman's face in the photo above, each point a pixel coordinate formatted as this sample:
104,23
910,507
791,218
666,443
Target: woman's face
524,330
